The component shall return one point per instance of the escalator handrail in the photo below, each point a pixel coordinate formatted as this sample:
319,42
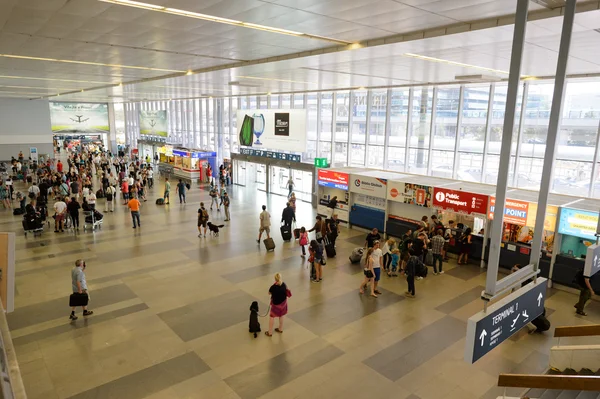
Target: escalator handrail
563,382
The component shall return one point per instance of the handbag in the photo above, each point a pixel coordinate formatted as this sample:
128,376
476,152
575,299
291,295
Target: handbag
369,273
77,299
288,293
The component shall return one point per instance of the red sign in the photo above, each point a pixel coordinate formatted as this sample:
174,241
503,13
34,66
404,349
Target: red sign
460,201
394,193
330,178
515,212
420,197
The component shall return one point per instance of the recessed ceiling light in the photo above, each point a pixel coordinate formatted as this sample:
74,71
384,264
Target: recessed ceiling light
23,57
433,59
189,73
36,88
212,18
277,80
52,80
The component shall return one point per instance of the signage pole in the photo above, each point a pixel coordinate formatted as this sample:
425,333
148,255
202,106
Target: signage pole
509,123
555,116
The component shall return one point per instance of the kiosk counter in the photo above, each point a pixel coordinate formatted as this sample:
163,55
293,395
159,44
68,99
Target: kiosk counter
333,183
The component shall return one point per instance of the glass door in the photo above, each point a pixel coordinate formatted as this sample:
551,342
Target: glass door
260,176
240,175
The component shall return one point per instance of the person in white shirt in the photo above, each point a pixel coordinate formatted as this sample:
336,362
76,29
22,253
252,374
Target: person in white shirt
265,223
35,190
130,181
150,178
109,204
60,208
85,192
377,257
91,199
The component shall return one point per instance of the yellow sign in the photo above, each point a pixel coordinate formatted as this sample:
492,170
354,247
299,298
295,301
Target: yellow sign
550,219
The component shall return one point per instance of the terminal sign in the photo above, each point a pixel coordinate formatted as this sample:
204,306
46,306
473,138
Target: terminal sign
487,330
460,201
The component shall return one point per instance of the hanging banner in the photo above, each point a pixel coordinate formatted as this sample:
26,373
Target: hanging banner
409,193
154,123
274,129
460,201
549,220
79,118
368,185
333,179
515,211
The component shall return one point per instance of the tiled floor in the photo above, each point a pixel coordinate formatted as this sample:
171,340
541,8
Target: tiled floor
171,316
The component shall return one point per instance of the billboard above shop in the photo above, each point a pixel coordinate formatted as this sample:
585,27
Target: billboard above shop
515,211
409,193
578,223
368,185
460,201
333,179
273,129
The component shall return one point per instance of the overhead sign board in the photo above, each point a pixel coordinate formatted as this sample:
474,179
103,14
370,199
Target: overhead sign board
368,185
333,179
409,193
79,117
487,330
270,154
592,261
154,123
460,201
515,211
549,219
274,129
578,223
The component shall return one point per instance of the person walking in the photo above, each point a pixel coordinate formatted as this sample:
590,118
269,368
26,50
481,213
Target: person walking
369,275
412,262
290,185
585,292
371,238
222,192
303,240
180,189
109,204
73,208
377,256
279,296
316,259
213,195
437,248
319,228
167,190
288,216
226,207
333,228
465,247
79,286
134,206
202,220
265,223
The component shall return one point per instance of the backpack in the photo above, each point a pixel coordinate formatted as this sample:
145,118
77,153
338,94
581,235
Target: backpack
204,215
213,193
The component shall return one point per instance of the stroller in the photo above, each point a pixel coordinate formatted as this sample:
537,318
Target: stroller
93,218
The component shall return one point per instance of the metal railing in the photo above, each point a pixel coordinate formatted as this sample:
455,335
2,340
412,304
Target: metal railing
10,373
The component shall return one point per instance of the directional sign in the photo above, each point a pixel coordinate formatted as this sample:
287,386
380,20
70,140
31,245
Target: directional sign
592,261
487,330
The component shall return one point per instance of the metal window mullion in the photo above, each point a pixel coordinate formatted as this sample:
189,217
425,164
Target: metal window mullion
411,94
268,101
387,128
488,129
319,115
595,164
333,124
432,129
519,134
461,98
127,128
350,122
368,124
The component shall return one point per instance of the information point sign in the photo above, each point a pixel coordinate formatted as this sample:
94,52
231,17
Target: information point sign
487,330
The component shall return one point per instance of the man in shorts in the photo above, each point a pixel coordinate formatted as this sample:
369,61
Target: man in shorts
202,220
265,223
60,208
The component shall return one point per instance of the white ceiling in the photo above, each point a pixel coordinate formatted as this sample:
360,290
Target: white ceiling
94,31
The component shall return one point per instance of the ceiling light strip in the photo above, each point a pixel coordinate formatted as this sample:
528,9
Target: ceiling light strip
212,18
23,57
276,80
53,80
433,59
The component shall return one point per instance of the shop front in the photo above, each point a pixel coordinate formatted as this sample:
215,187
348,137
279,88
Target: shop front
148,147
191,165
576,232
333,183
368,193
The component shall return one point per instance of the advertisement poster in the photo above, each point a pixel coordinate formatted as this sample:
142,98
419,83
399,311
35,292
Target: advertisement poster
460,201
33,154
578,223
549,220
515,211
273,129
368,185
409,193
154,123
79,118
329,178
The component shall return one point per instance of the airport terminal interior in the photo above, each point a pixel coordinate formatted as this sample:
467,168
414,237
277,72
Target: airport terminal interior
396,109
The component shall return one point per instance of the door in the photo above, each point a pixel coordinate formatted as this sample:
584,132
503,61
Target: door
261,176
240,172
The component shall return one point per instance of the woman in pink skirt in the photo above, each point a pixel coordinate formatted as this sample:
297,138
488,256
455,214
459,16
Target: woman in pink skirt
279,295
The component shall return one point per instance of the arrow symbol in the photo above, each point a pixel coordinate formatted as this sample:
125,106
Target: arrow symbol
515,321
540,299
482,336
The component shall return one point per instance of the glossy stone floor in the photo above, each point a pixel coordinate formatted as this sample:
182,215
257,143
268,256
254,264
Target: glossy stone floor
171,316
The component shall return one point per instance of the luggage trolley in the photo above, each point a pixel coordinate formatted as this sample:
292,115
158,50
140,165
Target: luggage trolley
33,226
91,219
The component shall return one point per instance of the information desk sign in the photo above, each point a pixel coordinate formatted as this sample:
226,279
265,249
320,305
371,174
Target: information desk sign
487,330
592,261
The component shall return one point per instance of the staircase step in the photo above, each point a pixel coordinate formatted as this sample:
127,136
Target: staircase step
551,393
568,395
588,395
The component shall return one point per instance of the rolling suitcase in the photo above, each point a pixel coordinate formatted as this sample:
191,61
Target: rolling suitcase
160,201
269,244
329,247
356,254
296,234
286,233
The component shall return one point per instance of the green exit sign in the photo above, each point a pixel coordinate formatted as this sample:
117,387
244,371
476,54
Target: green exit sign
321,162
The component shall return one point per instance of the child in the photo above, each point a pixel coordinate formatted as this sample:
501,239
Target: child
254,325
316,257
303,241
395,260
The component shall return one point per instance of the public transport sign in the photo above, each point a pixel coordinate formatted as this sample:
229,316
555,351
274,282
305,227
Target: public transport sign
487,330
460,201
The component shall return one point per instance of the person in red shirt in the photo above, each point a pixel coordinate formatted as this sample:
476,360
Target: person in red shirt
59,167
125,191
